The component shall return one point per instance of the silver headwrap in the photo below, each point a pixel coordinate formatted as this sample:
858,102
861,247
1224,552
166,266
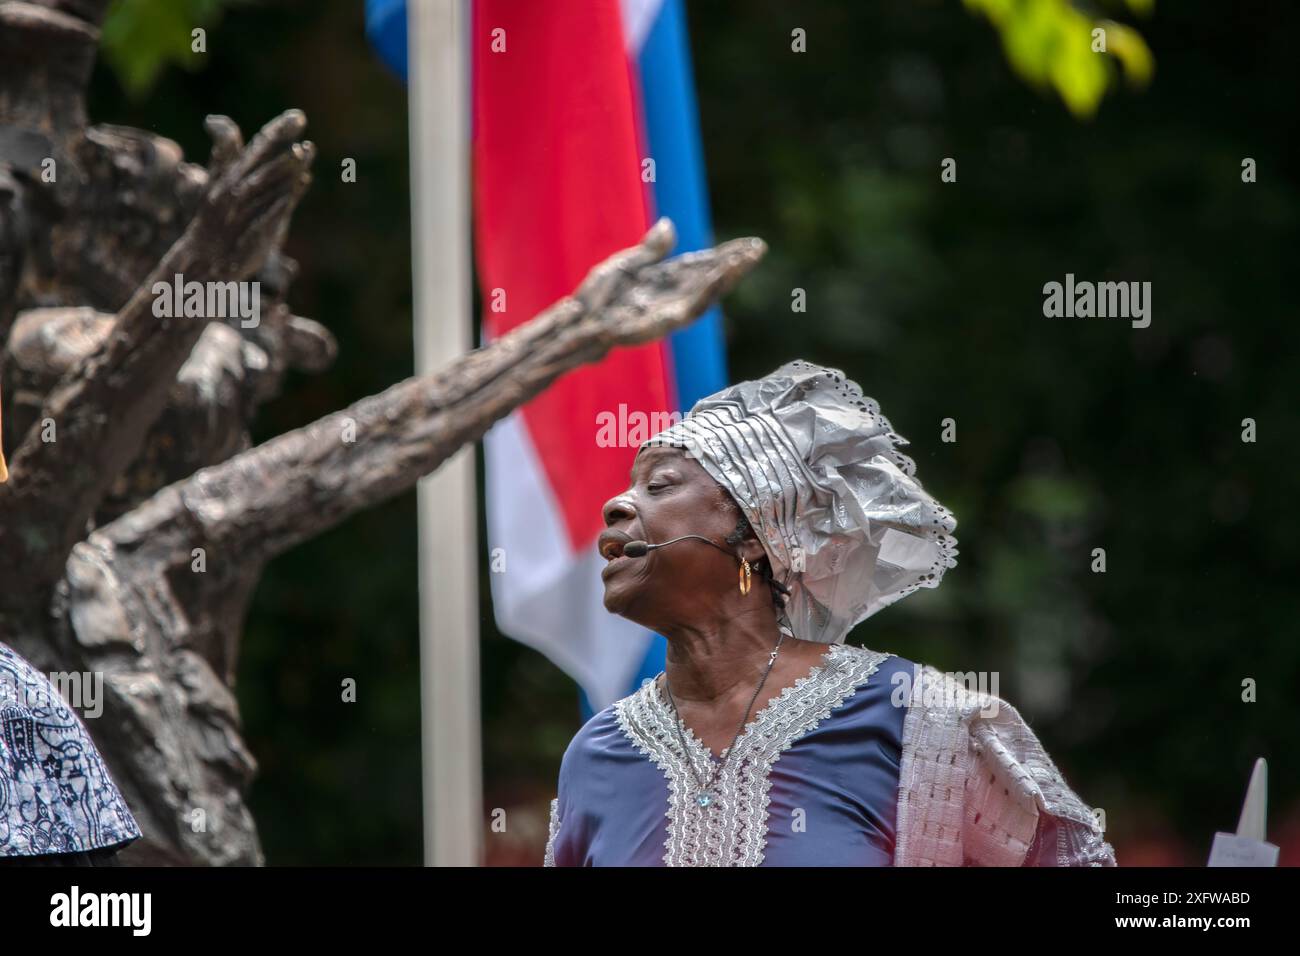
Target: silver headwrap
816,469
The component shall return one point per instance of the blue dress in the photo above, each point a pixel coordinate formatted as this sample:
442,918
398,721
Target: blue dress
813,780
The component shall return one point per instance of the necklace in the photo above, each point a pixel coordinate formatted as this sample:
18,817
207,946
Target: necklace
705,793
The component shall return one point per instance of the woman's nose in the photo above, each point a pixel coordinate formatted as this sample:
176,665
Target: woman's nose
617,509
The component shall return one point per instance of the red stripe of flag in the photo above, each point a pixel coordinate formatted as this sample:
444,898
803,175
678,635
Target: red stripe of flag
557,188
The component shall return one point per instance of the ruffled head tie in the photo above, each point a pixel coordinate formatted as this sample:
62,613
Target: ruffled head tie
816,470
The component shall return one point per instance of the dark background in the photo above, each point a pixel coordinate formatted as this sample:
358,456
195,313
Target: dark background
1072,434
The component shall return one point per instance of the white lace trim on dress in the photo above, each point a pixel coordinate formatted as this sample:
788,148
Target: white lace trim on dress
732,830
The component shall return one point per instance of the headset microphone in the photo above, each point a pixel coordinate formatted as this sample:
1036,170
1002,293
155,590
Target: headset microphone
639,549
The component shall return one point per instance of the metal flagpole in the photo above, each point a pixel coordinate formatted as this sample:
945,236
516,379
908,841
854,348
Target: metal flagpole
440,265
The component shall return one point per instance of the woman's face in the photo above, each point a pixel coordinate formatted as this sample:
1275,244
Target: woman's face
670,495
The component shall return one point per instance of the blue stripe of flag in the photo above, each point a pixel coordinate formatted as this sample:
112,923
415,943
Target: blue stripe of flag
386,31
681,192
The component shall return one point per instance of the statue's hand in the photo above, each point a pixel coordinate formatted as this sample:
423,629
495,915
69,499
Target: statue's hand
252,191
638,296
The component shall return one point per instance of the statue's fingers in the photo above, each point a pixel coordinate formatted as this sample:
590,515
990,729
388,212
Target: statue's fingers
270,224
227,142
287,173
607,277
274,138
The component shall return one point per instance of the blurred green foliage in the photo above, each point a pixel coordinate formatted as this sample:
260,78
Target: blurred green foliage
141,38
1055,43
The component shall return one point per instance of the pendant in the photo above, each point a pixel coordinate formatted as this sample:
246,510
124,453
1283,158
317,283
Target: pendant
704,799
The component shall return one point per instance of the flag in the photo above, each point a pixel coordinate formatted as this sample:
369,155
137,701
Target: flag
584,132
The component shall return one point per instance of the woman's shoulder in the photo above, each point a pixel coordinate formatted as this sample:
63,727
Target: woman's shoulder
865,687
966,694
883,670
595,736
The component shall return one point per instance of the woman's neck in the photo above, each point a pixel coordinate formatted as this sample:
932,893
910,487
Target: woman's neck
708,664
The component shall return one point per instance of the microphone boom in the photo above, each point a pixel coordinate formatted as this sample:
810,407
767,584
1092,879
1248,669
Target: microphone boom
639,549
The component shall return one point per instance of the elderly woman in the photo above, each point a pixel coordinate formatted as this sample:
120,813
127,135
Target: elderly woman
755,533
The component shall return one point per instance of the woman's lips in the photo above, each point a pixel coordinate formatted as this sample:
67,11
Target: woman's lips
614,566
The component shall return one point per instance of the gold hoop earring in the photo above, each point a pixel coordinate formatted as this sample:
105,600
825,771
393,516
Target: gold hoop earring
744,575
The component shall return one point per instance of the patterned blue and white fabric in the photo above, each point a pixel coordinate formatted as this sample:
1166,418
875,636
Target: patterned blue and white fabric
56,795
